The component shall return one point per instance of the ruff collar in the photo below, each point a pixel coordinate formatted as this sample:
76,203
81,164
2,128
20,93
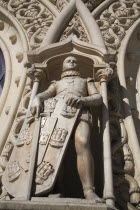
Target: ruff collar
70,73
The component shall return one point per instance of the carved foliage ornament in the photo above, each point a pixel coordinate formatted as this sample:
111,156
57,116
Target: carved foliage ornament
34,73
36,18
116,20
76,24
60,4
33,16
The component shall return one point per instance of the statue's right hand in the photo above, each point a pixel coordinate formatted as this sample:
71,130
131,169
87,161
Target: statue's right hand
36,107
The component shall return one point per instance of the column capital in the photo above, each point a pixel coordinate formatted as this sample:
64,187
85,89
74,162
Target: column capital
104,74
35,73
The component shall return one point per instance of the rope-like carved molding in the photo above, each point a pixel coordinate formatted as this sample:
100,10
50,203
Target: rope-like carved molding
115,20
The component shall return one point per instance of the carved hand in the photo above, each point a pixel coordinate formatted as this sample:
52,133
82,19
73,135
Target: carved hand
74,101
36,106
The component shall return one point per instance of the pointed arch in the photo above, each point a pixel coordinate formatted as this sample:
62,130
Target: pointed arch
90,24
60,23
14,44
128,119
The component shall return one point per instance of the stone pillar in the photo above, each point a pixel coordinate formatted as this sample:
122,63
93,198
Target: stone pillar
103,75
35,75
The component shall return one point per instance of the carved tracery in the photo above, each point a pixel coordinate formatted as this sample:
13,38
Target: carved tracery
116,20
33,16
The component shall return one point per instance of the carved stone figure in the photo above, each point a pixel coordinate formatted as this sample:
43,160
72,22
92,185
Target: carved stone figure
106,34
78,94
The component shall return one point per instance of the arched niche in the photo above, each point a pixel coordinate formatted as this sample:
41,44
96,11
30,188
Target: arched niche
14,45
128,72
132,76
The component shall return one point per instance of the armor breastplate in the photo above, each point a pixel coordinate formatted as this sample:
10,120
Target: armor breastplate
72,86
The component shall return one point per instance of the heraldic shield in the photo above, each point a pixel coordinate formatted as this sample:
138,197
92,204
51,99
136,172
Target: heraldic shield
55,129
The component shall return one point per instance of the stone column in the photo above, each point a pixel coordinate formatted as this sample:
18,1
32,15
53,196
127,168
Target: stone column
35,75
103,75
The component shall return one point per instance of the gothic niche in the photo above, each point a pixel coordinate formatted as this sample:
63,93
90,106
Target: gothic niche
72,92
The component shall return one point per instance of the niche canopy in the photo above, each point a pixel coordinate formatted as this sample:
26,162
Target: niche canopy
51,48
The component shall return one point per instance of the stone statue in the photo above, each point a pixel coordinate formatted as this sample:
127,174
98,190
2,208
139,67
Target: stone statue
78,94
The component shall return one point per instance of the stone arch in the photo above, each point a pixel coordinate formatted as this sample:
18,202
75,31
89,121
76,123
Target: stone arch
117,36
125,62
8,69
14,44
65,16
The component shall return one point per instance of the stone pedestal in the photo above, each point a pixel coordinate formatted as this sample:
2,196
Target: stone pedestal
53,204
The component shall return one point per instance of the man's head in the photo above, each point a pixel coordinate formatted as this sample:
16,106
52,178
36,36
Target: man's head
70,64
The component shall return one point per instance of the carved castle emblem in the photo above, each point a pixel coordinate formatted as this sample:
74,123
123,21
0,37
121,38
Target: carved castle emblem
43,172
24,137
58,137
13,171
49,105
68,111
43,121
43,138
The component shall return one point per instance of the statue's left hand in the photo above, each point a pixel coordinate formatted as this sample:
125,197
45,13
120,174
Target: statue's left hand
75,101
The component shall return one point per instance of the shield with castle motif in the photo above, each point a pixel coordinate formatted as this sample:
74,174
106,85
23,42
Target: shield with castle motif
51,156
56,127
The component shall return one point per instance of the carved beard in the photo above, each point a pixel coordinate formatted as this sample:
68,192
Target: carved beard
70,73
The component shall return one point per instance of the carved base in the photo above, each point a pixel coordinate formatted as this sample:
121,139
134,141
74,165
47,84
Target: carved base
53,204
